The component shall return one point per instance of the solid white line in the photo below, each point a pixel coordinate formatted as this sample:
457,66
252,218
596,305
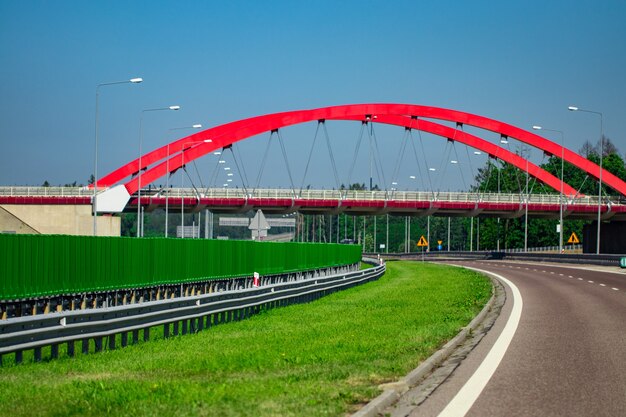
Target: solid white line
465,398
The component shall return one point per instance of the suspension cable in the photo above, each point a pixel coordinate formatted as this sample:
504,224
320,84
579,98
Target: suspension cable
417,161
444,163
377,161
213,177
306,169
243,183
191,181
330,153
356,152
396,172
282,146
267,148
458,162
235,151
430,181
198,174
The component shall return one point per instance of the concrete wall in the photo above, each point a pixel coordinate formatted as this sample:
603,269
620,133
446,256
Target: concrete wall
55,219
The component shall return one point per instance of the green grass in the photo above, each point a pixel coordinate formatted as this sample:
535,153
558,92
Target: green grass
319,359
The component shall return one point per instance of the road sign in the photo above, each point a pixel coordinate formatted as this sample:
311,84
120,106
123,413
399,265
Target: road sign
622,262
439,242
573,239
422,241
439,247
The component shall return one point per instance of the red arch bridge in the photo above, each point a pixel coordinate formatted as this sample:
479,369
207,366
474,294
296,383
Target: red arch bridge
125,188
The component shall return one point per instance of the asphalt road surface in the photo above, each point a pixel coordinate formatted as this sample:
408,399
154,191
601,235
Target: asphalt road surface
557,349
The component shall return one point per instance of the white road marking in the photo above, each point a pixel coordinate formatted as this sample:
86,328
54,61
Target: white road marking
591,282
569,276
603,285
615,289
561,275
580,279
465,398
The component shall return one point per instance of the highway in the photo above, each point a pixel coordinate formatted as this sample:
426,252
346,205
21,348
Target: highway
562,337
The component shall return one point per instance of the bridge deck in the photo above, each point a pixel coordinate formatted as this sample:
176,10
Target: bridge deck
411,203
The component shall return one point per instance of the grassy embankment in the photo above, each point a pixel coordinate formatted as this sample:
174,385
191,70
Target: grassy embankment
322,358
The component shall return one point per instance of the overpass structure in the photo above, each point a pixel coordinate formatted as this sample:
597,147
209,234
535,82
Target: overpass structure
283,201
124,189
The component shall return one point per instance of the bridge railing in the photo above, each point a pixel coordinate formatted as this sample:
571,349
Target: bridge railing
46,192
348,195
343,195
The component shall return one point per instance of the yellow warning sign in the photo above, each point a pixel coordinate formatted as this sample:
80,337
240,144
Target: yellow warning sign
422,241
439,242
573,239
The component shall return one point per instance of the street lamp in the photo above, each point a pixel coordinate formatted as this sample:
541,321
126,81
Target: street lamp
561,196
167,167
95,163
574,108
139,222
182,179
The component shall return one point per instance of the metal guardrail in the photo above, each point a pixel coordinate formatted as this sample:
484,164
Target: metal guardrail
188,314
344,195
586,259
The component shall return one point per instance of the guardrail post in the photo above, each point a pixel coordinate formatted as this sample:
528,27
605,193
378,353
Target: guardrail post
124,339
98,344
112,342
37,352
85,346
70,349
146,334
54,351
166,330
184,329
135,337
19,358
175,330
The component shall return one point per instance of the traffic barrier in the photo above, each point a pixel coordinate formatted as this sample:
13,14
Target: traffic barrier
45,265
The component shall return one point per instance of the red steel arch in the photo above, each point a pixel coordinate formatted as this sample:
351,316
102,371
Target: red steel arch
401,114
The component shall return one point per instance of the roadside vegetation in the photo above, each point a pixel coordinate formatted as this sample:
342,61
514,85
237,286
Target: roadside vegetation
325,358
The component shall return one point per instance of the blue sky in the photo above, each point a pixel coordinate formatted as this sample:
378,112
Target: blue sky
519,62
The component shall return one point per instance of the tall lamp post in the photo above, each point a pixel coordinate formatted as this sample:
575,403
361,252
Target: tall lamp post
139,222
182,178
95,163
574,108
167,164
561,196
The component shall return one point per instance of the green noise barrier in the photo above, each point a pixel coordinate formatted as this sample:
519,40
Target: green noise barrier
45,265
